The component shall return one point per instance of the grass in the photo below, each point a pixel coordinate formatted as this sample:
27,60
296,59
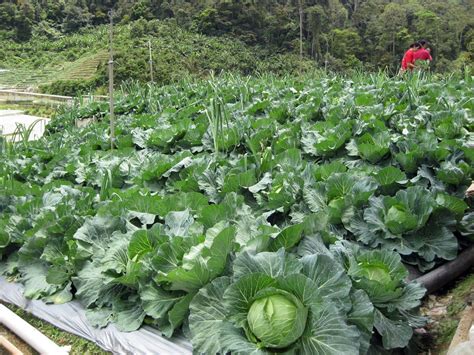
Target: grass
79,346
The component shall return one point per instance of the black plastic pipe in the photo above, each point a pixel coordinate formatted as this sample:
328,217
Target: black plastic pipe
448,272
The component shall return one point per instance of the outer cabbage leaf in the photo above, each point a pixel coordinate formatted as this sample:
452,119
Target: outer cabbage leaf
395,333
339,195
466,225
207,261
374,148
211,330
329,333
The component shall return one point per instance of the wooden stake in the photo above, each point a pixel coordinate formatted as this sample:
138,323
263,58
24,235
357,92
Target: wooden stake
151,61
301,27
111,82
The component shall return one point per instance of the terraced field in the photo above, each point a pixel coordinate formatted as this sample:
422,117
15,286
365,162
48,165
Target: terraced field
29,79
25,79
84,68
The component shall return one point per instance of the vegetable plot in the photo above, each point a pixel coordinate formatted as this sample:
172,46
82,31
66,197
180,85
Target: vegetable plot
255,215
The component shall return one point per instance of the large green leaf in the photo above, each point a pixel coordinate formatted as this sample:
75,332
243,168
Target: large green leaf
329,277
143,242
96,233
434,241
373,148
177,315
287,238
156,302
169,254
451,203
193,201
324,171
34,278
208,261
362,311
454,174
271,264
395,333
466,225
178,223
211,331
239,295
94,285
129,314
100,317
299,285
409,299
390,175
328,333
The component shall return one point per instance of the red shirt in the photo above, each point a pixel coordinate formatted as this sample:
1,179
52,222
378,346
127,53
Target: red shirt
422,54
407,58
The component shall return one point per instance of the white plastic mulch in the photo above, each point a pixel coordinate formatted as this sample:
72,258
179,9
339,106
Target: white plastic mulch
10,119
71,317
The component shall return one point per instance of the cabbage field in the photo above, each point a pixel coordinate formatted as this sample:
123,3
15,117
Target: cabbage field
254,215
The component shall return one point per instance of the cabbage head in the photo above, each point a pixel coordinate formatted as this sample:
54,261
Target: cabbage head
382,276
411,223
277,320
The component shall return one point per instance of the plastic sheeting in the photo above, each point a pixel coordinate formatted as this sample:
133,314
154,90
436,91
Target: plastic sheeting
71,317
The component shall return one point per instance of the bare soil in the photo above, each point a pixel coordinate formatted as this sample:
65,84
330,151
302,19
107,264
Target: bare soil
445,309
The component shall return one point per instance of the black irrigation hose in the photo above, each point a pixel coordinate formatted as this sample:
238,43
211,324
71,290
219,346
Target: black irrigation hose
448,272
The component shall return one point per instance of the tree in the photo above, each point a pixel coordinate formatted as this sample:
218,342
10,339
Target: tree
141,10
345,49
24,21
391,28
7,15
317,19
75,17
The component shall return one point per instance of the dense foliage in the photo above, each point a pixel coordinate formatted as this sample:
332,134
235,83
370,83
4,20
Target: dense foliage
176,54
258,215
338,33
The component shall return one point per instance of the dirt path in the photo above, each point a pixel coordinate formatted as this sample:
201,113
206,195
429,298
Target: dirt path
445,309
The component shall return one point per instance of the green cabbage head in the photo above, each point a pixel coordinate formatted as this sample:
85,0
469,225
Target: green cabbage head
277,320
399,219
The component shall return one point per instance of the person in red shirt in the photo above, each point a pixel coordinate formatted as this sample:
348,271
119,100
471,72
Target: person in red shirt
408,61
423,53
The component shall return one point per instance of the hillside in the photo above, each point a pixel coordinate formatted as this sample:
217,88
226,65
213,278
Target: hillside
337,34
76,62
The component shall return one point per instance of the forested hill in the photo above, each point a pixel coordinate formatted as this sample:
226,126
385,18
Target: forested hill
340,34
